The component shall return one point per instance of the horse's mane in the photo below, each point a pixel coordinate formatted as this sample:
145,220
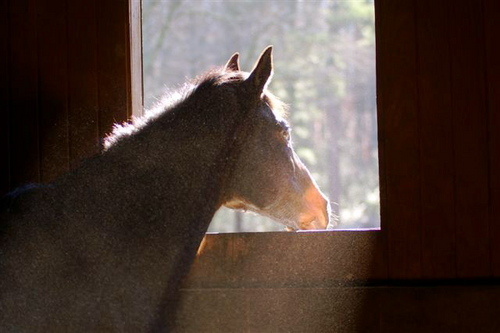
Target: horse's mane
172,98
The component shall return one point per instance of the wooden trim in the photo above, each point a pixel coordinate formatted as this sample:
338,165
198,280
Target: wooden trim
135,40
113,66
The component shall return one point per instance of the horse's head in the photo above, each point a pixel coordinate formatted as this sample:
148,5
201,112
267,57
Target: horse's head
267,175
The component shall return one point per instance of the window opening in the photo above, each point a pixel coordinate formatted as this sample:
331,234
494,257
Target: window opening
324,65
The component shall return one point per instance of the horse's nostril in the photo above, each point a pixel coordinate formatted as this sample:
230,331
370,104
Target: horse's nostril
317,223
316,214
316,219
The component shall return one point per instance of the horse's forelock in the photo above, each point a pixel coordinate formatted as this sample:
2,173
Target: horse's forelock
279,107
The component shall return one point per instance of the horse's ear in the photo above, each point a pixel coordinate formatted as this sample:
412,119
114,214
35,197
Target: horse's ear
233,64
263,70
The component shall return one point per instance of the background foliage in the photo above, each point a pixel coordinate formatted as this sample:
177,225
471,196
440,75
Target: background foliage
324,54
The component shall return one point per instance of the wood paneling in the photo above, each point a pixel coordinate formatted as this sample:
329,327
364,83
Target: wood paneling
438,114
491,12
53,88
470,140
415,310
114,63
4,97
23,93
397,101
83,107
66,67
436,155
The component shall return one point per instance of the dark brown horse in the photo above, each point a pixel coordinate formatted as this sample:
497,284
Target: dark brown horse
104,248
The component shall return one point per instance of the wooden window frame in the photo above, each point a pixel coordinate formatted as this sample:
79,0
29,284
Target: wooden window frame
135,44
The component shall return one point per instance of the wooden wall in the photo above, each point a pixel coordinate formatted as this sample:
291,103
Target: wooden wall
439,108
64,80
66,74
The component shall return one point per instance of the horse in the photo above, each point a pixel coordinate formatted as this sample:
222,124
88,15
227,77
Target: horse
105,247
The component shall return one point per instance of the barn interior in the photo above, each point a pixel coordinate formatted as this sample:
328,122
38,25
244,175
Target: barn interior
70,69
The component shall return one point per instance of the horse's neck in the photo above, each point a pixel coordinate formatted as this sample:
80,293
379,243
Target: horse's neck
149,201
170,181
116,234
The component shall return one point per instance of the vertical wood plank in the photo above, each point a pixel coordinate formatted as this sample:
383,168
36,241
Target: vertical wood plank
491,29
398,136
436,140
418,310
23,92
82,80
478,309
53,101
4,98
470,138
400,310
113,66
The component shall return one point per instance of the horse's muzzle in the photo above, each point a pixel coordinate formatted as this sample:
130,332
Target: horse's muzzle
316,214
